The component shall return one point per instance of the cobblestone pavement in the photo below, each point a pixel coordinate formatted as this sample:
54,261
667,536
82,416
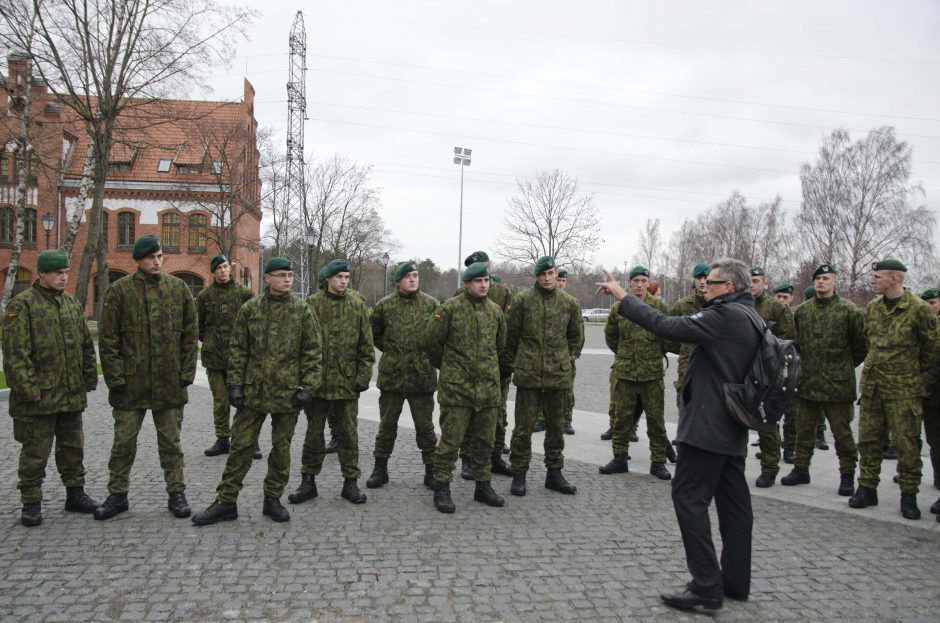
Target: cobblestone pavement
601,555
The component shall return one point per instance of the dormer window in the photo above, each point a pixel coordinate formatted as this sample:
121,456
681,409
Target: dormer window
164,165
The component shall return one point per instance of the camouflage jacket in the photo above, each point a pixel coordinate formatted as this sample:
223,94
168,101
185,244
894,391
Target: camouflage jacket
465,338
398,325
778,316
275,349
639,353
831,336
348,352
147,338
498,293
687,306
48,353
544,330
902,348
217,306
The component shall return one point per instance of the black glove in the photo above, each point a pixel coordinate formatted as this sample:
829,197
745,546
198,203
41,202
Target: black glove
236,396
184,383
301,398
361,388
505,371
119,389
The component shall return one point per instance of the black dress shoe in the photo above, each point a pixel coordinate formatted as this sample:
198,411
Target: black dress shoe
687,600
333,446
217,511
569,429
257,454
114,504
177,504
221,446
31,515
608,435
735,595
275,510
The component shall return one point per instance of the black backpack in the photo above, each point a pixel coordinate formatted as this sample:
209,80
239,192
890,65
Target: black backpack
758,402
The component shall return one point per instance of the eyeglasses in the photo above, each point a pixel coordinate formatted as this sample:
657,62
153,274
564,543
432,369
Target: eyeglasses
716,282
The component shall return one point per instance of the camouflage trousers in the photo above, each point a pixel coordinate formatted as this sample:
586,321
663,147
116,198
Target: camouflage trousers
569,405
221,410
37,434
625,397
502,421
341,415
769,443
127,423
529,403
422,409
902,418
809,414
932,432
246,428
458,424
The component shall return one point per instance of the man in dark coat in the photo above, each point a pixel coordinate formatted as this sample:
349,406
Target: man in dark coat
712,444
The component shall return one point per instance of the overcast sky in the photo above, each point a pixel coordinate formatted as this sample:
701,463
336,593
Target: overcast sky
659,108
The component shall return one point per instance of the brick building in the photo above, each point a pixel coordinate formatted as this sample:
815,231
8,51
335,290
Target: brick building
185,171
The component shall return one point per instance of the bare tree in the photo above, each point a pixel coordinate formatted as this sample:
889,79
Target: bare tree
651,245
550,216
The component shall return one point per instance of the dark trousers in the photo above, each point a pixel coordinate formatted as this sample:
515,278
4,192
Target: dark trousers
701,475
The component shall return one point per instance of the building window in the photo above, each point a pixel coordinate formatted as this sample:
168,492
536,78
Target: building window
188,169
125,229
104,228
33,174
164,165
171,232
119,167
6,225
194,282
29,226
197,233
217,167
4,167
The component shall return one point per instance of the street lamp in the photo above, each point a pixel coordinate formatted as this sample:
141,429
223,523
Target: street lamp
311,238
462,158
385,259
47,225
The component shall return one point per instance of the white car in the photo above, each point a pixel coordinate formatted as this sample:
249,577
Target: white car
598,314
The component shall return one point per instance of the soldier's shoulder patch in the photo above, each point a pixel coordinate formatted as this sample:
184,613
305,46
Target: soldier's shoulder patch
437,316
509,308
932,323
12,315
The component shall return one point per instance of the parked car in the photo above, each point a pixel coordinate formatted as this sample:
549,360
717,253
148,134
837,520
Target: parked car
598,314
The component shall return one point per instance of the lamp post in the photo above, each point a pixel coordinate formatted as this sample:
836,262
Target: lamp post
311,238
47,225
461,158
385,259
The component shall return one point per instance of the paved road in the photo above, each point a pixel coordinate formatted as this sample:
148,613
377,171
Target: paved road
602,555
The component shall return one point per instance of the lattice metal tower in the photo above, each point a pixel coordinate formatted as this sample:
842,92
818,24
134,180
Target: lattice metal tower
296,116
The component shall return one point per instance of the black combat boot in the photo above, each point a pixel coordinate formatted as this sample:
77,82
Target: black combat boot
115,504
442,501
31,515
607,435
789,455
555,481
77,501
821,443
306,490
518,485
217,511
499,466
221,446
909,508
633,437
935,507
177,504
351,492
846,484
659,470
257,453
539,426
864,497
275,510
798,476
333,446
569,429
429,476
617,465
379,475
466,472
484,493
766,479
670,453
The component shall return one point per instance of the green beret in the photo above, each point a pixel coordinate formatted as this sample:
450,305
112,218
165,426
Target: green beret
476,256
277,263
930,293
783,287
51,261
563,272
496,279
889,264
321,278
214,262
146,245
403,269
757,271
334,267
822,269
809,293
542,264
701,270
477,269
639,270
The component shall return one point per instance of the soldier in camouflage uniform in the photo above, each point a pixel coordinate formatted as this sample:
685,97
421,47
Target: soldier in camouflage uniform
405,373
779,319
464,339
932,409
49,362
545,334
783,292
901,364
273,367
147,339
217,307
561,282
637,374
348,355
831,335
